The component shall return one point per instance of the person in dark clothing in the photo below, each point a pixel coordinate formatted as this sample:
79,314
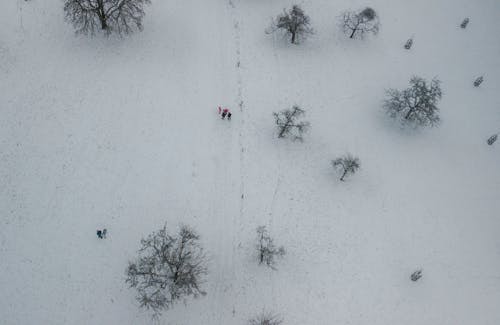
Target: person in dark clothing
102,233
229,115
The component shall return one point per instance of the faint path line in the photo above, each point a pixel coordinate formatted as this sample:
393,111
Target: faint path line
273,200
237,224
20,8
239,100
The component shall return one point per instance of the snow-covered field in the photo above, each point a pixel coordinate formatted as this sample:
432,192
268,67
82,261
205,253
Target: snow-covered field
124,134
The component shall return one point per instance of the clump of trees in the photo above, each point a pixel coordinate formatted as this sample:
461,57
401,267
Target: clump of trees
110,16
358,23
267,251
294,23
346,165
289,125
266,318
417,104
169,267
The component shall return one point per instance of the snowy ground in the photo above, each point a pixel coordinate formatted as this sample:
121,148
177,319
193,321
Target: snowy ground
123,134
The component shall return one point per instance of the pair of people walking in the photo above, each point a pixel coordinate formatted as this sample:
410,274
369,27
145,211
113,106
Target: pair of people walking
102,233
225,112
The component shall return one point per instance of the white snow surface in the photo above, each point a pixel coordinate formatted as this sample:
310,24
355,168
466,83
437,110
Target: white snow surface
123,134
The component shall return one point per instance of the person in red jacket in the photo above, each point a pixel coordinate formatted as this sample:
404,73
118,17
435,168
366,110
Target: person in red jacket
225,112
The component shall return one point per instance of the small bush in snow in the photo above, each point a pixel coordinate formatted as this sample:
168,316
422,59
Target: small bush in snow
168,268
416,275
266,319
288,124
267,250
358,23
464,23
409,43
415,105
478,81
346,165
492,139
293,22
118,16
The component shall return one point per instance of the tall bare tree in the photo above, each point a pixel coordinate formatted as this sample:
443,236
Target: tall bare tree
288,124
417,104
293,22
168,268
266,318
346,165
119,16
358,23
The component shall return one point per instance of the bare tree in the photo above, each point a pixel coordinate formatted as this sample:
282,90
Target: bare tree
266,318
358,23
267,249
346,165
167,269
288,125
293,22
119,16
415,105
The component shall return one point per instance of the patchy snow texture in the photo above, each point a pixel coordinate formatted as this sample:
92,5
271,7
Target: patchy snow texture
124,134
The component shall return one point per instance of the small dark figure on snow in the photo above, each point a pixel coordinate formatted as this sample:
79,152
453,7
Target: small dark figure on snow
225,112
102,233
464,23
409,43
478,81
492,139
416,275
